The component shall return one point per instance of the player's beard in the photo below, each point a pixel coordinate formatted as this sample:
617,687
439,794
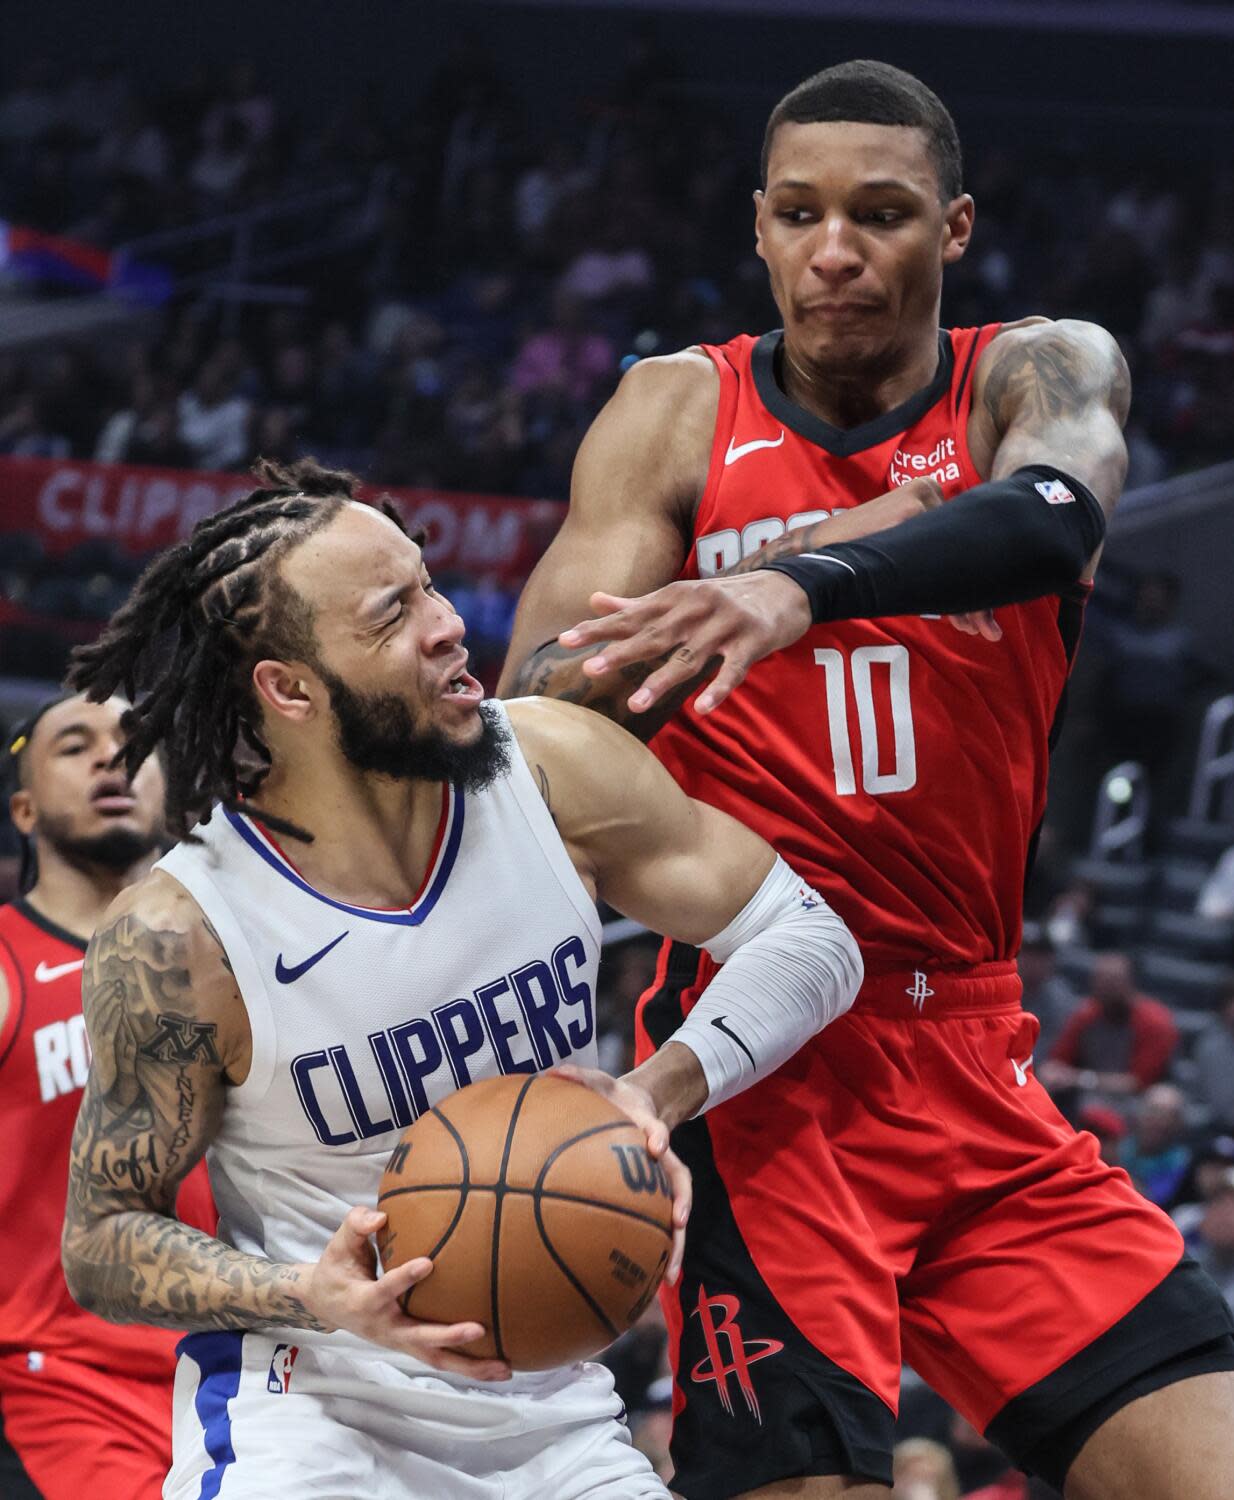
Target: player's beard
113,851
376,732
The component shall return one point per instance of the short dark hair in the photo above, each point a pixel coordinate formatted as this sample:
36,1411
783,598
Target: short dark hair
220,597
16,768
874,93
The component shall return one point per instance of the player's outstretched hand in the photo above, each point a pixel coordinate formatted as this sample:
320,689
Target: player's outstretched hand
634,1100
344,1291
722,626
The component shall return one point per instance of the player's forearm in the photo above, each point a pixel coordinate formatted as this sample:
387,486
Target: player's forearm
142,1267
556,671
789,967
676,1082
1003,542
891,509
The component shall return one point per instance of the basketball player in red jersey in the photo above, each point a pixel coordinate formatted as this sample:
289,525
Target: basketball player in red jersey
903,1188
86,1404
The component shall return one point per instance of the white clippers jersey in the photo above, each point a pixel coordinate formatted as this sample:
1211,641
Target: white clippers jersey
362,1019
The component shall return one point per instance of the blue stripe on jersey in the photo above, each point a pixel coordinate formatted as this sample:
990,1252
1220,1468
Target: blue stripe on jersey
414,915
218,1357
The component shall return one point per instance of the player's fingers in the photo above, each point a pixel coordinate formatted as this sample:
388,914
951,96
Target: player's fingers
676,1257
963,623
731,675
656,1132
446,1335
351,1238
609,604
575,1074
587,632
462,1364
987,626
682,1184
686,662
360,1221
647,643
400,1279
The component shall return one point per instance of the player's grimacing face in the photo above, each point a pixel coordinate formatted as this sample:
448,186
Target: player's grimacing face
855,237
381,626
71,784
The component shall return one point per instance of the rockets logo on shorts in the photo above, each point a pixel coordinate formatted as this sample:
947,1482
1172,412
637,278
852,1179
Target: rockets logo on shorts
278,1380
919,991
741,1355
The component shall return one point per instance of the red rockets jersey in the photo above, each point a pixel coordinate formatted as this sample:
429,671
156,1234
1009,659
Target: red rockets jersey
896,763
44,1059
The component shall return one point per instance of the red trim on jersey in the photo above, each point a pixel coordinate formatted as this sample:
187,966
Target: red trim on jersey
443,822
438,839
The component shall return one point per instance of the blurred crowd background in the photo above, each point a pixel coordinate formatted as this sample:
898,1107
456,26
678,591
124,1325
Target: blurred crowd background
438,285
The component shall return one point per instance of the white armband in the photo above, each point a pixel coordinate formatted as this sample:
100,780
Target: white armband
791,966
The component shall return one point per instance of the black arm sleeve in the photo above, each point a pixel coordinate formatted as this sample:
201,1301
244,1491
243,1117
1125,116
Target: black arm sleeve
1002,542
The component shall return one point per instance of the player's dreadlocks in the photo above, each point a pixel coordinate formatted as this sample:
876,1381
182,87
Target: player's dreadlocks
222,599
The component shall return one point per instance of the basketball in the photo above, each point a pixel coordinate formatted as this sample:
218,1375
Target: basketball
544,1216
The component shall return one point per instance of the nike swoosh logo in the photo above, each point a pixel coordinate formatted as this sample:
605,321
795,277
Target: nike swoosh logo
735,452
289,975
718,1023
46,972
1021,1069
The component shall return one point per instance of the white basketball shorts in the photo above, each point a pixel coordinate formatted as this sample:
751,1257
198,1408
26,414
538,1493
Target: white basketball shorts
256,1415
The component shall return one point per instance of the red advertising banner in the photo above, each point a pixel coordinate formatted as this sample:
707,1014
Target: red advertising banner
141,510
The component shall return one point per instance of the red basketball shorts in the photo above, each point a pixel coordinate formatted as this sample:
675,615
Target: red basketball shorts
84,1434
903,1190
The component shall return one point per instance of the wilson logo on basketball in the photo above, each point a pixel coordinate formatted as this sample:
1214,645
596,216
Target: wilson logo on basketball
741,1354
639,1172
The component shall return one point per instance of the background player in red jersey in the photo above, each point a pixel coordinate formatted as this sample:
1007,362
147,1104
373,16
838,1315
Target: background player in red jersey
904,1187
86,1404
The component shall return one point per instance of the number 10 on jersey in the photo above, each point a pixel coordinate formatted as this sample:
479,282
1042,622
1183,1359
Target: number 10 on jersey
859,662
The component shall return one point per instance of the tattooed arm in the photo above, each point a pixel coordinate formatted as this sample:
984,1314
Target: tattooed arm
164,1021
1056,393
169,1034
1047,394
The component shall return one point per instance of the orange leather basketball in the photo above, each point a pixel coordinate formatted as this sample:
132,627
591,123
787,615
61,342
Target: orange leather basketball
544,1216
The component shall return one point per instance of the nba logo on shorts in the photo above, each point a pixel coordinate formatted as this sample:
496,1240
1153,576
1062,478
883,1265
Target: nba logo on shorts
278,1381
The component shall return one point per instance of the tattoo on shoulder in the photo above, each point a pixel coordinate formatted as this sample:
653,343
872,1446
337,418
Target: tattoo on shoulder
1053,374
213,932
545,790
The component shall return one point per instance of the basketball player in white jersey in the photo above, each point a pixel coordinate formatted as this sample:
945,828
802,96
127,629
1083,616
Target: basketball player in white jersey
391,893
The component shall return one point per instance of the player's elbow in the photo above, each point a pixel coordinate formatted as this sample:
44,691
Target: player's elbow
1054,540
1064,560
850,969
85,1267
76,1271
